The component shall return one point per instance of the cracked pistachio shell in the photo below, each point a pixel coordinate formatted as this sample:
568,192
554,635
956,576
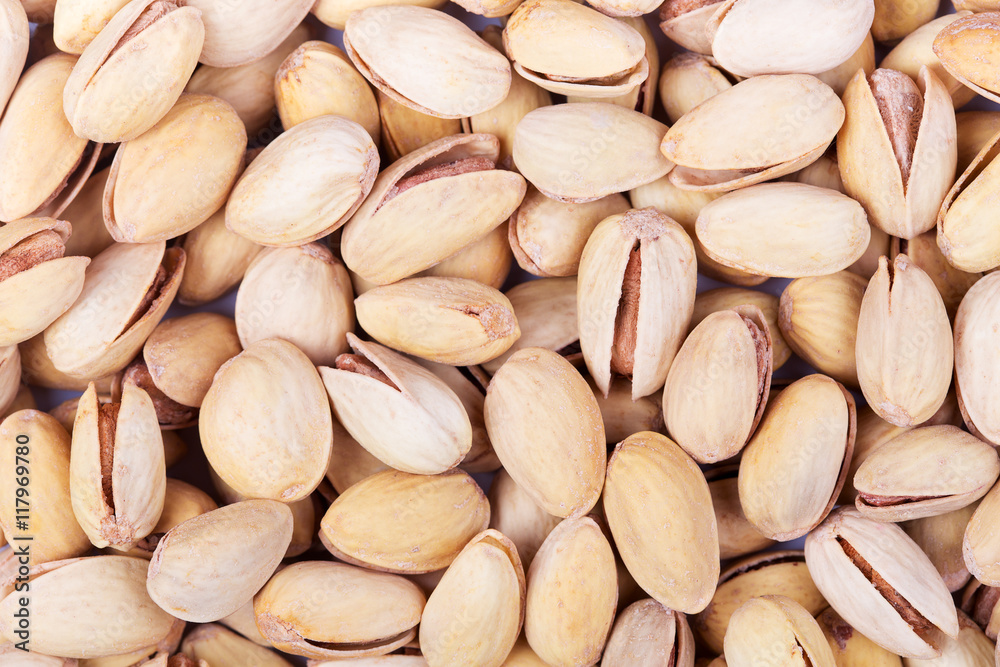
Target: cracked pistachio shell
127,290
93,607
881,583
896,484
776,630
726,298
514,514
647,633
687,80
244,32
265,422
13,46
409,524
86,214
429,205
132,73
547,430
850,647
54,531
900,178
637,284
447,320
401,413
965,235
981,546
75,23
461,75
737,536
772,573
976,333
177,174
916,50
572,594
305,184
971,648
975,130
818,317
300,294
217,260
117,472
208,567
952,283
584,151
967,48
45,163
808,38
324,610
904,349
941,538
482,593
659,510
571,49
214,645
37,282
794,467
787,230
684,22
718,384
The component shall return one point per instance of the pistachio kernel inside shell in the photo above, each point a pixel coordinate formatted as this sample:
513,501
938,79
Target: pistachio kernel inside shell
876,500
32,251
674,8
152,294
355,363
983,602
154,12
455,168
901,106
168,411
107,426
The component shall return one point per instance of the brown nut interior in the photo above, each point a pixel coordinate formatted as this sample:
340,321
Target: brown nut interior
901,106
32,251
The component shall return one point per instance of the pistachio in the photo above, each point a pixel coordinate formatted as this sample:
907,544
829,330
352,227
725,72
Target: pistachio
963,233
643,97
75,24
975,330
622,416
841,75
951,282
777,630
898,18
687,80
971,648
181,501
726,298
349,461
404,130
975,129
980,546
238,34
980,602
646,632
36,368
217,260
86,214
514,514
685,21
965,48
916,50
13,47
22,399
850,647
216,646
941,537
737,536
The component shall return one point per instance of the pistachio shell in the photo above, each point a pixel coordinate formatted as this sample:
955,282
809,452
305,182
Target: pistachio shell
963,233
13,47
737,536
850,647
181,502
916,50
941,538
217,260
646,632
951,282
966,48
622,416
404,130
725,298
864,58
975,130
241,33
775,626
514,514
86,214
75,23
980,546
687,80
216,646
899,18
684,23
975,331
37,368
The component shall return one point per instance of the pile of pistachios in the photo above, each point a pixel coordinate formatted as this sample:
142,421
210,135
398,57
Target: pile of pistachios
640,333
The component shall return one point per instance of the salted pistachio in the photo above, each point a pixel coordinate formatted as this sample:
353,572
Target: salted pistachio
45,161
37,282
771,573
850,647
966,48
896,150
975,333
685,21
975,130
941,538
546,428
818,317
388,43
349,461
584,151
916,50
964,234
548,236
795,465
301,294
687,80
898,18
244,32
265,422
404,130
13,46
148,48
788,230
951,282
316,79
646,632
75,23
409,524
753,37
209,566
181,501
864,58
326,610
572,594
126,292
774,629
305,184
54,531
544,38
881,583
622,416
904,348
648,476
514,514
215,646
373,387
718,384
737,536
639,258
761,128
86,214
217,260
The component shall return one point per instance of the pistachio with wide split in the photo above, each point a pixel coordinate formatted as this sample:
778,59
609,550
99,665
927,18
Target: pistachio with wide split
774,625
977,324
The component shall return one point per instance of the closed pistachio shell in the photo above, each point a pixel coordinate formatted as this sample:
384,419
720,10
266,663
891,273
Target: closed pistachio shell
404,130
647,632
774,625
514,514
75,23
963,233
916,50
850,647
642,97
217,260
941,538
684,22
966,48
726,298
241,33
737,536
687,80
975,331
37,369
13,47
213,644
839,76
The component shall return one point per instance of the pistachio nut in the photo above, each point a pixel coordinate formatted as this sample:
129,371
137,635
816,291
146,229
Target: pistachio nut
975,331
551,441
181,501
980,546
898,18
75,23
685,21
642,97
850,647
548,236
753,37
514,514
400,412
795,465
46,162
979,601
951,282
38,283
941,538
963,233
787,230
646,632
622,416
975,130
864,58
54,531
971,648
737,536
881,583
687,80
475,613
217,260
214,645
409,524
726,298
300,294
761,128
126,292
460,74
818,317
86,214
13,47
36,368
776,630
904,349
134,70
571,594
916,50
487,261
170,414
966,49
659,511
265,422
349,461
244,622
209,566
584,151
404,130
241,33
325,610
305,184
16,657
